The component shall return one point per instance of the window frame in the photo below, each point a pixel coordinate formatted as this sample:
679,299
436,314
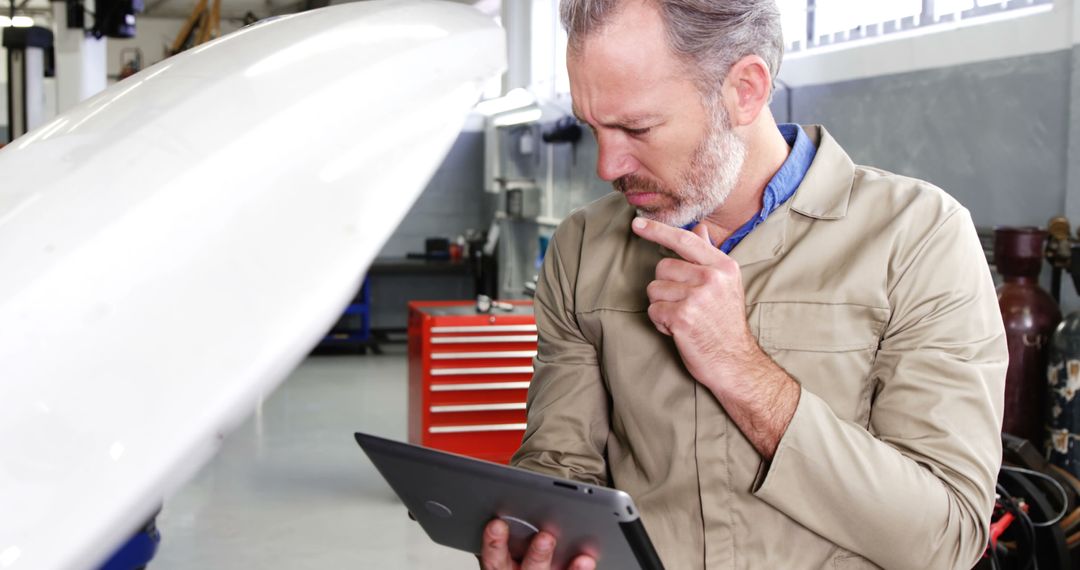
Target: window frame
926,20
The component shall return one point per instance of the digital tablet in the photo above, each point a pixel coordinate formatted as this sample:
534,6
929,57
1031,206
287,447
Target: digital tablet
454,497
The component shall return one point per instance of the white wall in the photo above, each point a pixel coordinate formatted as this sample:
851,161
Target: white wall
1076,22
944,45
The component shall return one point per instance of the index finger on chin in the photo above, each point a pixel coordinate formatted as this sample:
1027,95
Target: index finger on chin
687,245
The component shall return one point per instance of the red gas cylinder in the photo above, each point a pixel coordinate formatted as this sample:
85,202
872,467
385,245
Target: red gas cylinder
1030,316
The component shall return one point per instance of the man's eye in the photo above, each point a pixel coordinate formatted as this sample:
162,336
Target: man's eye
638,132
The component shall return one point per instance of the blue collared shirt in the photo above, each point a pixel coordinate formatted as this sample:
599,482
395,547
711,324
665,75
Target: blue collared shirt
783,184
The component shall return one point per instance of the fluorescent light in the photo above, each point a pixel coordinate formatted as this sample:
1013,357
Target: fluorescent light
22,21
518,118
5,22
516,99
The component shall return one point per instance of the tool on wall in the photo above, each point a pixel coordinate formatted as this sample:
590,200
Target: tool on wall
112,18
566,130
131,62
203,25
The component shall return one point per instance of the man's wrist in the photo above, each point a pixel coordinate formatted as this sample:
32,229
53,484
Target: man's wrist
760,398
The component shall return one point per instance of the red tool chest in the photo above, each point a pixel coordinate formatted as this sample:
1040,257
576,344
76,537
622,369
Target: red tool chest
469,376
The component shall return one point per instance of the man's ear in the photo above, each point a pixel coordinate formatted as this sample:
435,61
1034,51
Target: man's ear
747,89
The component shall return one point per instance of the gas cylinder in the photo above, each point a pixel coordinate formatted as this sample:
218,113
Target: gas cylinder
1063,375
1030,316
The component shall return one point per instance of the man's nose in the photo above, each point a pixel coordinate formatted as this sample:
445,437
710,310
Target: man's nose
614,160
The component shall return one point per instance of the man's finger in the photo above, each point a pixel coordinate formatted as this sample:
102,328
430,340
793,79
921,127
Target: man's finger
702,231
658,313
538,556
495,554
681,271
583,563
672,291
687,245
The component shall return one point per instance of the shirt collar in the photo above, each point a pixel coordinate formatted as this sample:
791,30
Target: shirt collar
791,173
783,184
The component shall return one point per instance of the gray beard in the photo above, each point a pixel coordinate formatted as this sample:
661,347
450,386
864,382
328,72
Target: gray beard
707,182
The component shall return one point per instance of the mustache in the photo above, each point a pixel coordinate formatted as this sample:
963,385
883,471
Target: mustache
629,182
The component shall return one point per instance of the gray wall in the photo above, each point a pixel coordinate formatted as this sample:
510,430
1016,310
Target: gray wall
453,201
1002,137
993,134
1072,201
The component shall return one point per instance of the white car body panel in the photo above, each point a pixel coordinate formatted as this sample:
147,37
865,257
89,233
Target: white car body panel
174,246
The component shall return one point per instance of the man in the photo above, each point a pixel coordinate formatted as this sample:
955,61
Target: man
810,373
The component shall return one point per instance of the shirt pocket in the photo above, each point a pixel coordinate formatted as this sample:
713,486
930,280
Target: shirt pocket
829,348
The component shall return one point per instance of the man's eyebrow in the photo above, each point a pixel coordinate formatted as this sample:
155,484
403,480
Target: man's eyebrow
635,120
628,121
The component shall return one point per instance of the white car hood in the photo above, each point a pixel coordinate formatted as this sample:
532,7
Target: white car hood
174,246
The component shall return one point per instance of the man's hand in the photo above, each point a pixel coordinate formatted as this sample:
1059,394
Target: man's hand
495,554
699,301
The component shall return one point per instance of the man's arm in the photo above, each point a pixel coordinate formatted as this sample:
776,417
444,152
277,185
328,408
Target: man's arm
568,411
568,403
923,476
916,489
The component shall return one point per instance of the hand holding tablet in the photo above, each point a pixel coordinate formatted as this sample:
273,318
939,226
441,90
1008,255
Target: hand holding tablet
549,522
495,554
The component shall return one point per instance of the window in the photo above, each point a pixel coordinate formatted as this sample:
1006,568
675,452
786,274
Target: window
815,23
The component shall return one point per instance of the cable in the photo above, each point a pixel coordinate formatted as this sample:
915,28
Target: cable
1054,482
1011,505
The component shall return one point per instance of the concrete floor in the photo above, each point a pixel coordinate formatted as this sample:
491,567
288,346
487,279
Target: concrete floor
291,489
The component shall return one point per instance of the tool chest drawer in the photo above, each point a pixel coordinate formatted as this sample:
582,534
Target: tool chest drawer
469,376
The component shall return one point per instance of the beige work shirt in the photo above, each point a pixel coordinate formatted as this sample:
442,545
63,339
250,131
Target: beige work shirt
869,289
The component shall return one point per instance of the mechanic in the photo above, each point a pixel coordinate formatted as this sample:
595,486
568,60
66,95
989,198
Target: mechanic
788,360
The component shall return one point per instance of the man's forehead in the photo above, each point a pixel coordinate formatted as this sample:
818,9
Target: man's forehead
625,94
629,118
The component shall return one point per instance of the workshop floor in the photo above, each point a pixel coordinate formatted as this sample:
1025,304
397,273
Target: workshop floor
290,489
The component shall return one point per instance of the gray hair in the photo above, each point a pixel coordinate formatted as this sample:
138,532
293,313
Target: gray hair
709,35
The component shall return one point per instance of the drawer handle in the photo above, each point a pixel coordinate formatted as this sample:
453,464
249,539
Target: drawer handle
474,429
483,386
481,371
478,408
476,339
470,355
485,329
